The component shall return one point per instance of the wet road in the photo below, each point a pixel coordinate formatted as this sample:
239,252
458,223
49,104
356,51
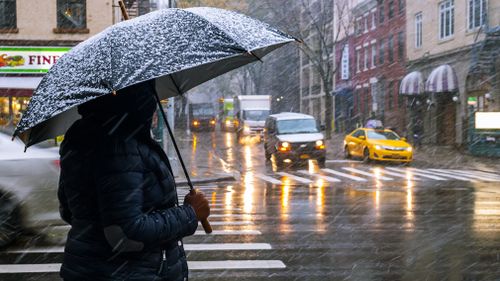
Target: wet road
349,221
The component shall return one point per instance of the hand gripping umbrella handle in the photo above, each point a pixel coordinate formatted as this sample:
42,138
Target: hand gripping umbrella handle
204,223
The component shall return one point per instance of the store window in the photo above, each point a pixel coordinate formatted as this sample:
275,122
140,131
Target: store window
11,109
8,14
71,15
418,30
446,19
476,13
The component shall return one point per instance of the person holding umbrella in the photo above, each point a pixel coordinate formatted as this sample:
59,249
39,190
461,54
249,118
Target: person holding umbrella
118,193
117,189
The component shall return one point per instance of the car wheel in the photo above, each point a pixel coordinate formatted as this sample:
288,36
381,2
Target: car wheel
322,162
347,154
10,220
366,155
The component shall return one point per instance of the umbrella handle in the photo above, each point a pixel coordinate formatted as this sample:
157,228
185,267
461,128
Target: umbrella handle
206,225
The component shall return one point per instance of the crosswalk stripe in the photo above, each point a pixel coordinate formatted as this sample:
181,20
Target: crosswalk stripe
192,265
330,171
230,232
187,247
326,178
396,174
470,175
230,223
228,215
268,179
295,178
227,246
419,173
479,173
225,209
449,175
366,173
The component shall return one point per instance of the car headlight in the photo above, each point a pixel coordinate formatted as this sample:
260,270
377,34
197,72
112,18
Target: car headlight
196,123
212,122
378,147
409,149
228,122
246,129
320,144
284,146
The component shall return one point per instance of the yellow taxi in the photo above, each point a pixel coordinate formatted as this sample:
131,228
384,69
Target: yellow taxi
377,144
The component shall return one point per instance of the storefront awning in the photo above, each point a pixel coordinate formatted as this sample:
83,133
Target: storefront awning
441,80
412,84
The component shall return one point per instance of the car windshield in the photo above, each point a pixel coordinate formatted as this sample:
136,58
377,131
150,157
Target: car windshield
297,126
203,111
255,115
382,135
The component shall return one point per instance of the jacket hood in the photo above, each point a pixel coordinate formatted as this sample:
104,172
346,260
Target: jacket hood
125,115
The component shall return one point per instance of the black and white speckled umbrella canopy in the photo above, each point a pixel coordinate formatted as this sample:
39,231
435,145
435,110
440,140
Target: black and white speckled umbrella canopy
180,48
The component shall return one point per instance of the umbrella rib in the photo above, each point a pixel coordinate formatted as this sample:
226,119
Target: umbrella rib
175,84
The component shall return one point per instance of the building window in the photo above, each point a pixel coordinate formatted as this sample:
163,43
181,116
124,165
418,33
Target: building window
477,13
418,30
358,60
390,49
8,14
374,55
390,96
359,27
366,59
381,50
391,9
401,46
381,13
374,20
446,19
365,20
71,15
401,6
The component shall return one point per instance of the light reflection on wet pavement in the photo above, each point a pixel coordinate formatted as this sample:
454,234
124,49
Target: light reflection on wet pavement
395,224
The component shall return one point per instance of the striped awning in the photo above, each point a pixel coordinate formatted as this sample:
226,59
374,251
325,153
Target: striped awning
442,79
412,84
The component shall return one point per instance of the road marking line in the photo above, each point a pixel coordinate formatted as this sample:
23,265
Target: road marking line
441,174
224,209
230,223
343,161
330,171
470,175
192,265
187,247
396,174
235,264
228,215
227,246
478,173
354,170
421,174
295,178
268,179
326,178
450,175
230,232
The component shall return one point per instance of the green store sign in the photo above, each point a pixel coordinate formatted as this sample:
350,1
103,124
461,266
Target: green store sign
29,59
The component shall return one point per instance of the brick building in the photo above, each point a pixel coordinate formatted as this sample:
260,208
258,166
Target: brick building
378,62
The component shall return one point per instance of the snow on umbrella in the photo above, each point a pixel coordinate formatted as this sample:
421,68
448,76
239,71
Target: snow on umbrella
180,48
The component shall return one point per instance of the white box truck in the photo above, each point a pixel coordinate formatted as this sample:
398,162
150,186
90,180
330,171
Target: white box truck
251,112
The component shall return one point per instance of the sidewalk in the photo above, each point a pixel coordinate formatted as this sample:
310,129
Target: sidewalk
429,156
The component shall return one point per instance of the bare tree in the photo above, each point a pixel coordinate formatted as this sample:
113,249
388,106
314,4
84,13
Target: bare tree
320,35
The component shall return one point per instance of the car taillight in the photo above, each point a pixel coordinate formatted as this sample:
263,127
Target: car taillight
56,163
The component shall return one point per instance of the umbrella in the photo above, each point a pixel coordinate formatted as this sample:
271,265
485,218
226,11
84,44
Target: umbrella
179,48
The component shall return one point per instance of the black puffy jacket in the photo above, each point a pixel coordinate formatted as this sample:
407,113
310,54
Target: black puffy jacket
118,193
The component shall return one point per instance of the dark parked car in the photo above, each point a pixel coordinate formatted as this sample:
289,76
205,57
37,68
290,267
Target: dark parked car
293,138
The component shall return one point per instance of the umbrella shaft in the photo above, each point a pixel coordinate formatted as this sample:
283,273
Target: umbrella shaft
171,134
